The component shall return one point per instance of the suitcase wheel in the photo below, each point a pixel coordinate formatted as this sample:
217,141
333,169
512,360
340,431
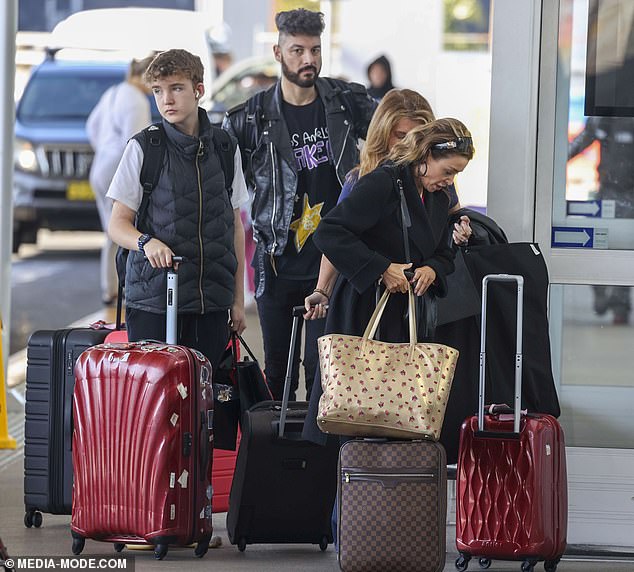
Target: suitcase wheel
202,547
160,551
551,565
528,565
78,543
462,562
485,563
242,544
323,543
119,546
33,518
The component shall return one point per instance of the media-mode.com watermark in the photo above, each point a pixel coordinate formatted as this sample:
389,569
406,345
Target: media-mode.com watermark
79,563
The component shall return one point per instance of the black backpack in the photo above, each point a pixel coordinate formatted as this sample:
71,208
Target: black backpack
152,141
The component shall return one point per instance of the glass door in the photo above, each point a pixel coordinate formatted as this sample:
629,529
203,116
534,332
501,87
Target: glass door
584,221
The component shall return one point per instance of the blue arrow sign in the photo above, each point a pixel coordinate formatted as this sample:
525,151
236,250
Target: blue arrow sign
584,208
572,237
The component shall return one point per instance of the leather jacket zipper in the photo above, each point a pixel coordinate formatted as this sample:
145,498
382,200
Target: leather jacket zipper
345,140
200,235
274,176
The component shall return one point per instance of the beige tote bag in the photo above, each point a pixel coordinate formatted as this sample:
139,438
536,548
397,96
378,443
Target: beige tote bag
380,389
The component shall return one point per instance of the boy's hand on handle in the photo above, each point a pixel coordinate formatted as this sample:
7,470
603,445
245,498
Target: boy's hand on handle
159,255
423,278
316,305
394,278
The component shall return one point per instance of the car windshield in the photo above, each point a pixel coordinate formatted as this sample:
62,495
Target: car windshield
63,96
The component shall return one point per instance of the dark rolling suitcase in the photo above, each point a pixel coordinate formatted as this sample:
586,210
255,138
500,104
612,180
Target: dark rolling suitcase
48,471
143,443
392,506
284,487
511,492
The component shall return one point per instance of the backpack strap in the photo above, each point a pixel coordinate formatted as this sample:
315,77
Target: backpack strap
253,117
226,149
344,92
152,141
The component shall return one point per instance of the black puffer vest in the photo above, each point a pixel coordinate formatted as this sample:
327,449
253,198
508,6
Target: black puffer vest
191,212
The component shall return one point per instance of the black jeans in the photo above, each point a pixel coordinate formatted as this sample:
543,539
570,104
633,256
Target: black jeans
207,333
275,307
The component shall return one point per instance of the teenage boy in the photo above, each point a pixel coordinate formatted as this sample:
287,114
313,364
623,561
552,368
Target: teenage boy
190,213
299,139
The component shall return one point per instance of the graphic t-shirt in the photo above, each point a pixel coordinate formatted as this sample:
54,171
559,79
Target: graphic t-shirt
317,188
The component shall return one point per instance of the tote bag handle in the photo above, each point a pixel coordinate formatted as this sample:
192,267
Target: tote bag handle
375,319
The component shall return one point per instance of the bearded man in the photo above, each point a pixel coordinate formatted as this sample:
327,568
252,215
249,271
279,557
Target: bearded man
298,139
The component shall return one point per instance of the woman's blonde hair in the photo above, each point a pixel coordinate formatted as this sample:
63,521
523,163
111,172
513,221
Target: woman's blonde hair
397,104
439,138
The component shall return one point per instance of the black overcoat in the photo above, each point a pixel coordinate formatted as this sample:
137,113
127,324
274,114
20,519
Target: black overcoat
361,236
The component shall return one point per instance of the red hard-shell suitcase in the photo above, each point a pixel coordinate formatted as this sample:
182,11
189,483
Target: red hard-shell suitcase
511,490
224,461
142,444
222,476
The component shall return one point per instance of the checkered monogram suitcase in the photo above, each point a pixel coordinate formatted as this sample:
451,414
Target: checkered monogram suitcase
392,509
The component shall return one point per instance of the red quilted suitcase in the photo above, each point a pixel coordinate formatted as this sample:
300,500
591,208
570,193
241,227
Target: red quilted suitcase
142,444
511,491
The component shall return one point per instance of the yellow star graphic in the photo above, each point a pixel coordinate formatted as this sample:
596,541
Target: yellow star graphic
306,224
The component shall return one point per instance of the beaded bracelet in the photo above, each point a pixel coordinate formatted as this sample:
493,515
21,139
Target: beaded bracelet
322,292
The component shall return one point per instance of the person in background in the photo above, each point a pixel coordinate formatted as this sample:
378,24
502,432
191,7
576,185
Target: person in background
380,77
219,39
122,111
363,237
616,182
190,214
299,139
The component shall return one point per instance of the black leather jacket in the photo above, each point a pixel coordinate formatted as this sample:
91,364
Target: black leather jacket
268,160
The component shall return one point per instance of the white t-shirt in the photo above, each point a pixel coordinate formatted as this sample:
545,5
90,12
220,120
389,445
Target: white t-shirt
126,186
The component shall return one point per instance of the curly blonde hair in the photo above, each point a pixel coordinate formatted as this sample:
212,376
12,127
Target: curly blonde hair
397,104
422,141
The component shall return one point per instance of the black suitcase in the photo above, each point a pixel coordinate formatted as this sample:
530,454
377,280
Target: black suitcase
50,379
283,487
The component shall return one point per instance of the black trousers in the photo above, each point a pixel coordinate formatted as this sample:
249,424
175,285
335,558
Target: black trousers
207,333
275,307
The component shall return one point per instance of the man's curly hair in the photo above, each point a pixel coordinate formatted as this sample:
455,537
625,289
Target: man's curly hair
300,22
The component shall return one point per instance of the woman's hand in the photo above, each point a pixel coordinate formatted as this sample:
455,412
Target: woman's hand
395,279
462,231
316,306
423,278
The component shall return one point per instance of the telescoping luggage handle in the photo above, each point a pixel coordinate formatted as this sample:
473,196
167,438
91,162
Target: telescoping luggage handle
519,280
171,311
298,313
